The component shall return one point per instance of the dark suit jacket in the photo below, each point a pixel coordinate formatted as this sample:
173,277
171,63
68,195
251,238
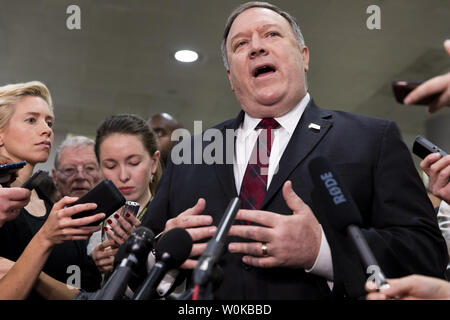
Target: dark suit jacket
398,219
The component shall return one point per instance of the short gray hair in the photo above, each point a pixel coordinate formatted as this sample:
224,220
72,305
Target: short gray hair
73,142
257,4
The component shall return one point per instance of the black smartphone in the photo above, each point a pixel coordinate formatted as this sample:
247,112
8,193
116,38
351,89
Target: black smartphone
403,88
8,169
423,147
107,197
35,179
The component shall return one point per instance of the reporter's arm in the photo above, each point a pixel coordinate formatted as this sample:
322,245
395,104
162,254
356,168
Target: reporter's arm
52,289
20,279
413,287
59,227
46,286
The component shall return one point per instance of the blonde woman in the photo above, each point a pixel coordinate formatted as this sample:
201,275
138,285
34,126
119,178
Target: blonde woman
43,236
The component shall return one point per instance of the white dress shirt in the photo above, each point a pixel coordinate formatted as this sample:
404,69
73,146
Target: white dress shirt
444,211
246,137
444,224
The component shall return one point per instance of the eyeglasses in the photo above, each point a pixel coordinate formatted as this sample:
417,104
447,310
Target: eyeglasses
89,170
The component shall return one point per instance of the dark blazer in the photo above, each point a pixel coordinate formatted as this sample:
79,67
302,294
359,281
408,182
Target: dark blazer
398,219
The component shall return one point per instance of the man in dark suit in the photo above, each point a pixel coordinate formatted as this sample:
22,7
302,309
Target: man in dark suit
279,249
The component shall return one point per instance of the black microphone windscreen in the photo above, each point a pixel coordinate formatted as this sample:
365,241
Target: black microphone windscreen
140,242
177,243
144,232
335,200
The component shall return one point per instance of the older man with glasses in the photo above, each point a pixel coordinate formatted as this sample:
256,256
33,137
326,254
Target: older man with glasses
76,169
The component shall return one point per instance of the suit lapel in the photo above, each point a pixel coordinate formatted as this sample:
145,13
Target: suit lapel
224,172
302,142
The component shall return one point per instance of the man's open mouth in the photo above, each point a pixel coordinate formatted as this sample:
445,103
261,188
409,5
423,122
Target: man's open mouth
263,70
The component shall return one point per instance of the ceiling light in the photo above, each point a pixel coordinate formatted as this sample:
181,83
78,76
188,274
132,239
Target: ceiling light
186,56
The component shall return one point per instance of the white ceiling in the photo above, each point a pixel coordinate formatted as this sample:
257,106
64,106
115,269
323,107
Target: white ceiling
121,59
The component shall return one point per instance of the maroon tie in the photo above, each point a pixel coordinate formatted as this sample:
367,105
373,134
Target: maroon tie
254,183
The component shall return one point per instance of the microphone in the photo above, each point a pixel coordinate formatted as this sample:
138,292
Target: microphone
172,250
138,245
205,266
342,214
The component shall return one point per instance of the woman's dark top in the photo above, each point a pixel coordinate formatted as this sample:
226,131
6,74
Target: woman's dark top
65,259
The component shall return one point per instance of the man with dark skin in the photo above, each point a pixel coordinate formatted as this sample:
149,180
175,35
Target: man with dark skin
163,124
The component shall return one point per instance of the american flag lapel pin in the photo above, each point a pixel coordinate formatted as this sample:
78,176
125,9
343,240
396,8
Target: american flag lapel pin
313,126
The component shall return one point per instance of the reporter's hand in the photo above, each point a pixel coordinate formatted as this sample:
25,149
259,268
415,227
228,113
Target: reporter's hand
414,287
103,255
434,85
11,201
13,174
60,226
121,230
438,170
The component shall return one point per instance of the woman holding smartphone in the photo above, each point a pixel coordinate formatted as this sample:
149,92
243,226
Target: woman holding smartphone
128,154
43,236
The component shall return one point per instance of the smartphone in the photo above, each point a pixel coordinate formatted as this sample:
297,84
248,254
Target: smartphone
35,179
131,207
422,148
7,170
403,88
107,197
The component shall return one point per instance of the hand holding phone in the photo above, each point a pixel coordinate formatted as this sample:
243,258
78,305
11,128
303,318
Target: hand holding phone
130,207
423,147
60,227
8,172
107,197
438,85
403,88
434,167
